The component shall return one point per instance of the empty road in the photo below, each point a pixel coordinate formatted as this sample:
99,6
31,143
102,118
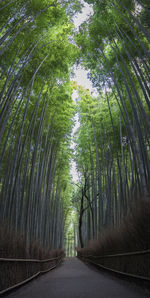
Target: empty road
74,279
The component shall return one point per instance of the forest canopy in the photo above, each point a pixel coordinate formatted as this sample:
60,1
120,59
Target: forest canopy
39,46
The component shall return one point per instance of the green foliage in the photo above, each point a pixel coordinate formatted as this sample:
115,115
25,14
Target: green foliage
37,54
37,111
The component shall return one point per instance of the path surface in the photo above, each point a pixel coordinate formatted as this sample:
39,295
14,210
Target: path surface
74,279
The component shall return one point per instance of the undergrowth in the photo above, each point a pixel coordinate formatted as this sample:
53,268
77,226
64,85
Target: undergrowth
132,235
13,246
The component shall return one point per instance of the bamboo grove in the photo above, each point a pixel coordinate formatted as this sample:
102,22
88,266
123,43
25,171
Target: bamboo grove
112,151
36,117
38,48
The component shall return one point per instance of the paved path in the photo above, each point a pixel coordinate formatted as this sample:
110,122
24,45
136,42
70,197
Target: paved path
74,279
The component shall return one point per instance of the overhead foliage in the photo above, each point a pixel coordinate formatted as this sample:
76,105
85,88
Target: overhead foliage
112,150
38,47
36,112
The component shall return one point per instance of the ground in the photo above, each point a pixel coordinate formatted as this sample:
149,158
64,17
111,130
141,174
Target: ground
74,279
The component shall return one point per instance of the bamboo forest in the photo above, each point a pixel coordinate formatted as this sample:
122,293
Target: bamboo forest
74,161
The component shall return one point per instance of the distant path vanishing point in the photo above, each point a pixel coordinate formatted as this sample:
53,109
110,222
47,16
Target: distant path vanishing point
74,279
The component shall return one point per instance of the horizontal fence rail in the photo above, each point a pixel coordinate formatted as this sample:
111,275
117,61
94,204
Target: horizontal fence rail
16,272
143,252
28,260
131,264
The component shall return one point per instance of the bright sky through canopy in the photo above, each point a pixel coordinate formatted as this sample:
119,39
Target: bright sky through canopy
81,77
87,11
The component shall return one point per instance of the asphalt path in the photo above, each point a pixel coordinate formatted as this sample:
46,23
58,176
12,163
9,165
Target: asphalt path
74,279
